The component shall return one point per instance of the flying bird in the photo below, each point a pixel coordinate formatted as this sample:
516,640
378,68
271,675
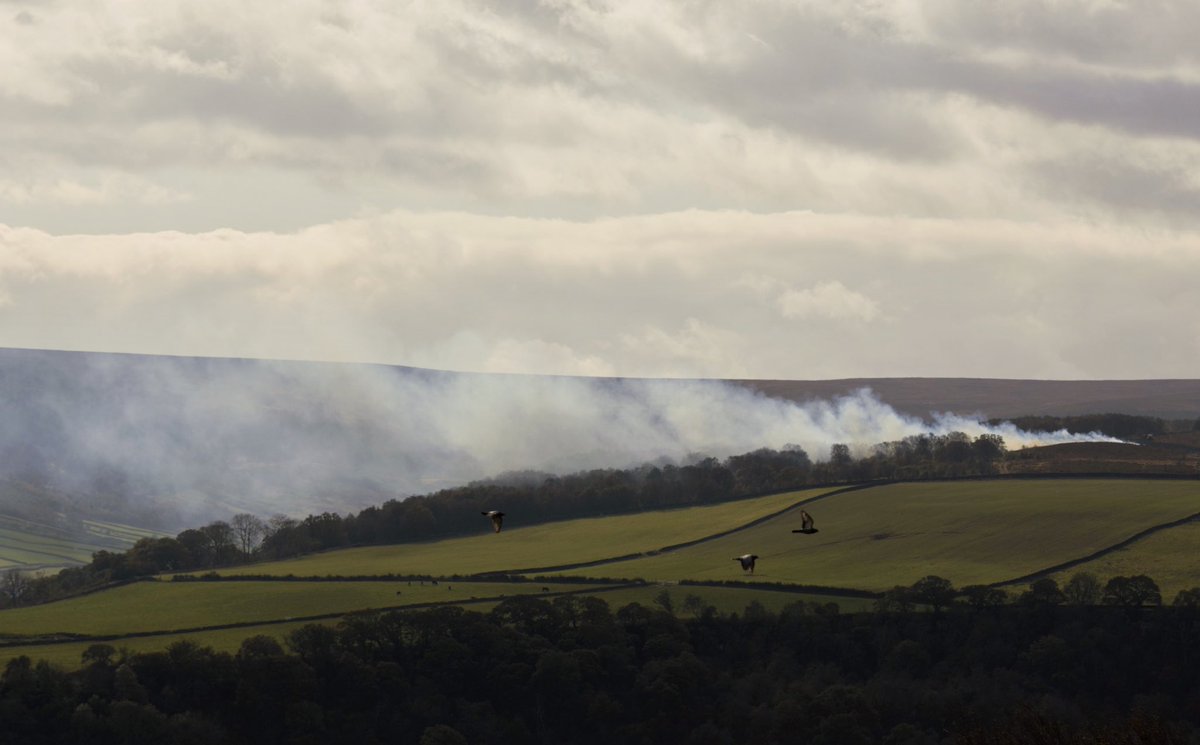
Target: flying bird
497,518
747,561
806,523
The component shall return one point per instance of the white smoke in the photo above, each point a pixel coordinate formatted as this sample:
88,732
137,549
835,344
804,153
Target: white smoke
204,437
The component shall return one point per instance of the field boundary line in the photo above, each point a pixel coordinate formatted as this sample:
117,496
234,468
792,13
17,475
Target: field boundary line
82,638
1038,574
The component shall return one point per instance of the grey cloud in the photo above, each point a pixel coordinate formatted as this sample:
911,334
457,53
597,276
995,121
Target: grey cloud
1161,106
1143,35
260,95
1110,182
809,60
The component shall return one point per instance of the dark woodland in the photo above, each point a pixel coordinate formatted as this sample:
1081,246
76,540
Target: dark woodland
570,670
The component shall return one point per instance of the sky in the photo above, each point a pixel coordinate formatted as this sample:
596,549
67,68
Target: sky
753,189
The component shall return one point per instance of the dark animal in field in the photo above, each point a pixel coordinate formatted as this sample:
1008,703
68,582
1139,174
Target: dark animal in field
806,523
397,592
497,519
545,589
747,561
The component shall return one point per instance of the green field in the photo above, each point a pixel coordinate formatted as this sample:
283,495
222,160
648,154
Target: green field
545,545
29,545
118,533
725,600
167,606
23,549
69,654
1170,557
967,531
312,598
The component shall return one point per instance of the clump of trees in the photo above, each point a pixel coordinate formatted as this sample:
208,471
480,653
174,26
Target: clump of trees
1082,589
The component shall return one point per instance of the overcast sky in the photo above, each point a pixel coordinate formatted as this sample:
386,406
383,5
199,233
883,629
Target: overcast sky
688,189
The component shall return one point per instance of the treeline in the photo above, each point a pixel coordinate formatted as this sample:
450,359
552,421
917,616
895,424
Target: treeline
570,670
527,498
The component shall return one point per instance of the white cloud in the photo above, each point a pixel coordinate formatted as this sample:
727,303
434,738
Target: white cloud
713,294
109,188
828,300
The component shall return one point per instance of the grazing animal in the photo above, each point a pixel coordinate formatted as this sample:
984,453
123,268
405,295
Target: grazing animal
747,561
397,592
806,523
497,519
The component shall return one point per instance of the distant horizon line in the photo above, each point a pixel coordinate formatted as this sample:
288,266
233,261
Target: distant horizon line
680,378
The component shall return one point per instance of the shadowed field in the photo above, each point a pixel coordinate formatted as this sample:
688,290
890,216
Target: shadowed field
165,606
68,654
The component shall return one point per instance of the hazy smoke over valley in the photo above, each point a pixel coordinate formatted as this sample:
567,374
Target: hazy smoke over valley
176,440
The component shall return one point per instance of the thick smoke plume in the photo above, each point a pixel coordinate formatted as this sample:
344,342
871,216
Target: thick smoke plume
178,440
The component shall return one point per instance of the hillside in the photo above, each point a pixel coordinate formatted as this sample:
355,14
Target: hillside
1000,398
1173,454
172,442
998,531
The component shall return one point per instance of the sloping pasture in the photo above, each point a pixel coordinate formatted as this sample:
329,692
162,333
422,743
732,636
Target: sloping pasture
1170,557
537,546
970,532
166,606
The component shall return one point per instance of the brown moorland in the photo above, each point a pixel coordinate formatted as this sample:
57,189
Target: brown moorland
1004,398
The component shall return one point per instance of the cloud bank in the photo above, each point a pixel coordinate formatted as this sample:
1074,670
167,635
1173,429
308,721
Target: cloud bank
702,189
795,295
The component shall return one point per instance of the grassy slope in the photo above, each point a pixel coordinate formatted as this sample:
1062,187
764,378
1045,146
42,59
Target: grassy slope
166,606
1170,558
967,531
69,654
550,544
725,599
24,549
25,544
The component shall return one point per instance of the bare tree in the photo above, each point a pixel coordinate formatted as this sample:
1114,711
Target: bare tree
248,530
14,584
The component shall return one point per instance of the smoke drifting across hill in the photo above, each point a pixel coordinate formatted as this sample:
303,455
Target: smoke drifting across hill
179,440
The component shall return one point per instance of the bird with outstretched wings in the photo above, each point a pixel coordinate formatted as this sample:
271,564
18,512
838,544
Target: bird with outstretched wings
747,561
497,519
